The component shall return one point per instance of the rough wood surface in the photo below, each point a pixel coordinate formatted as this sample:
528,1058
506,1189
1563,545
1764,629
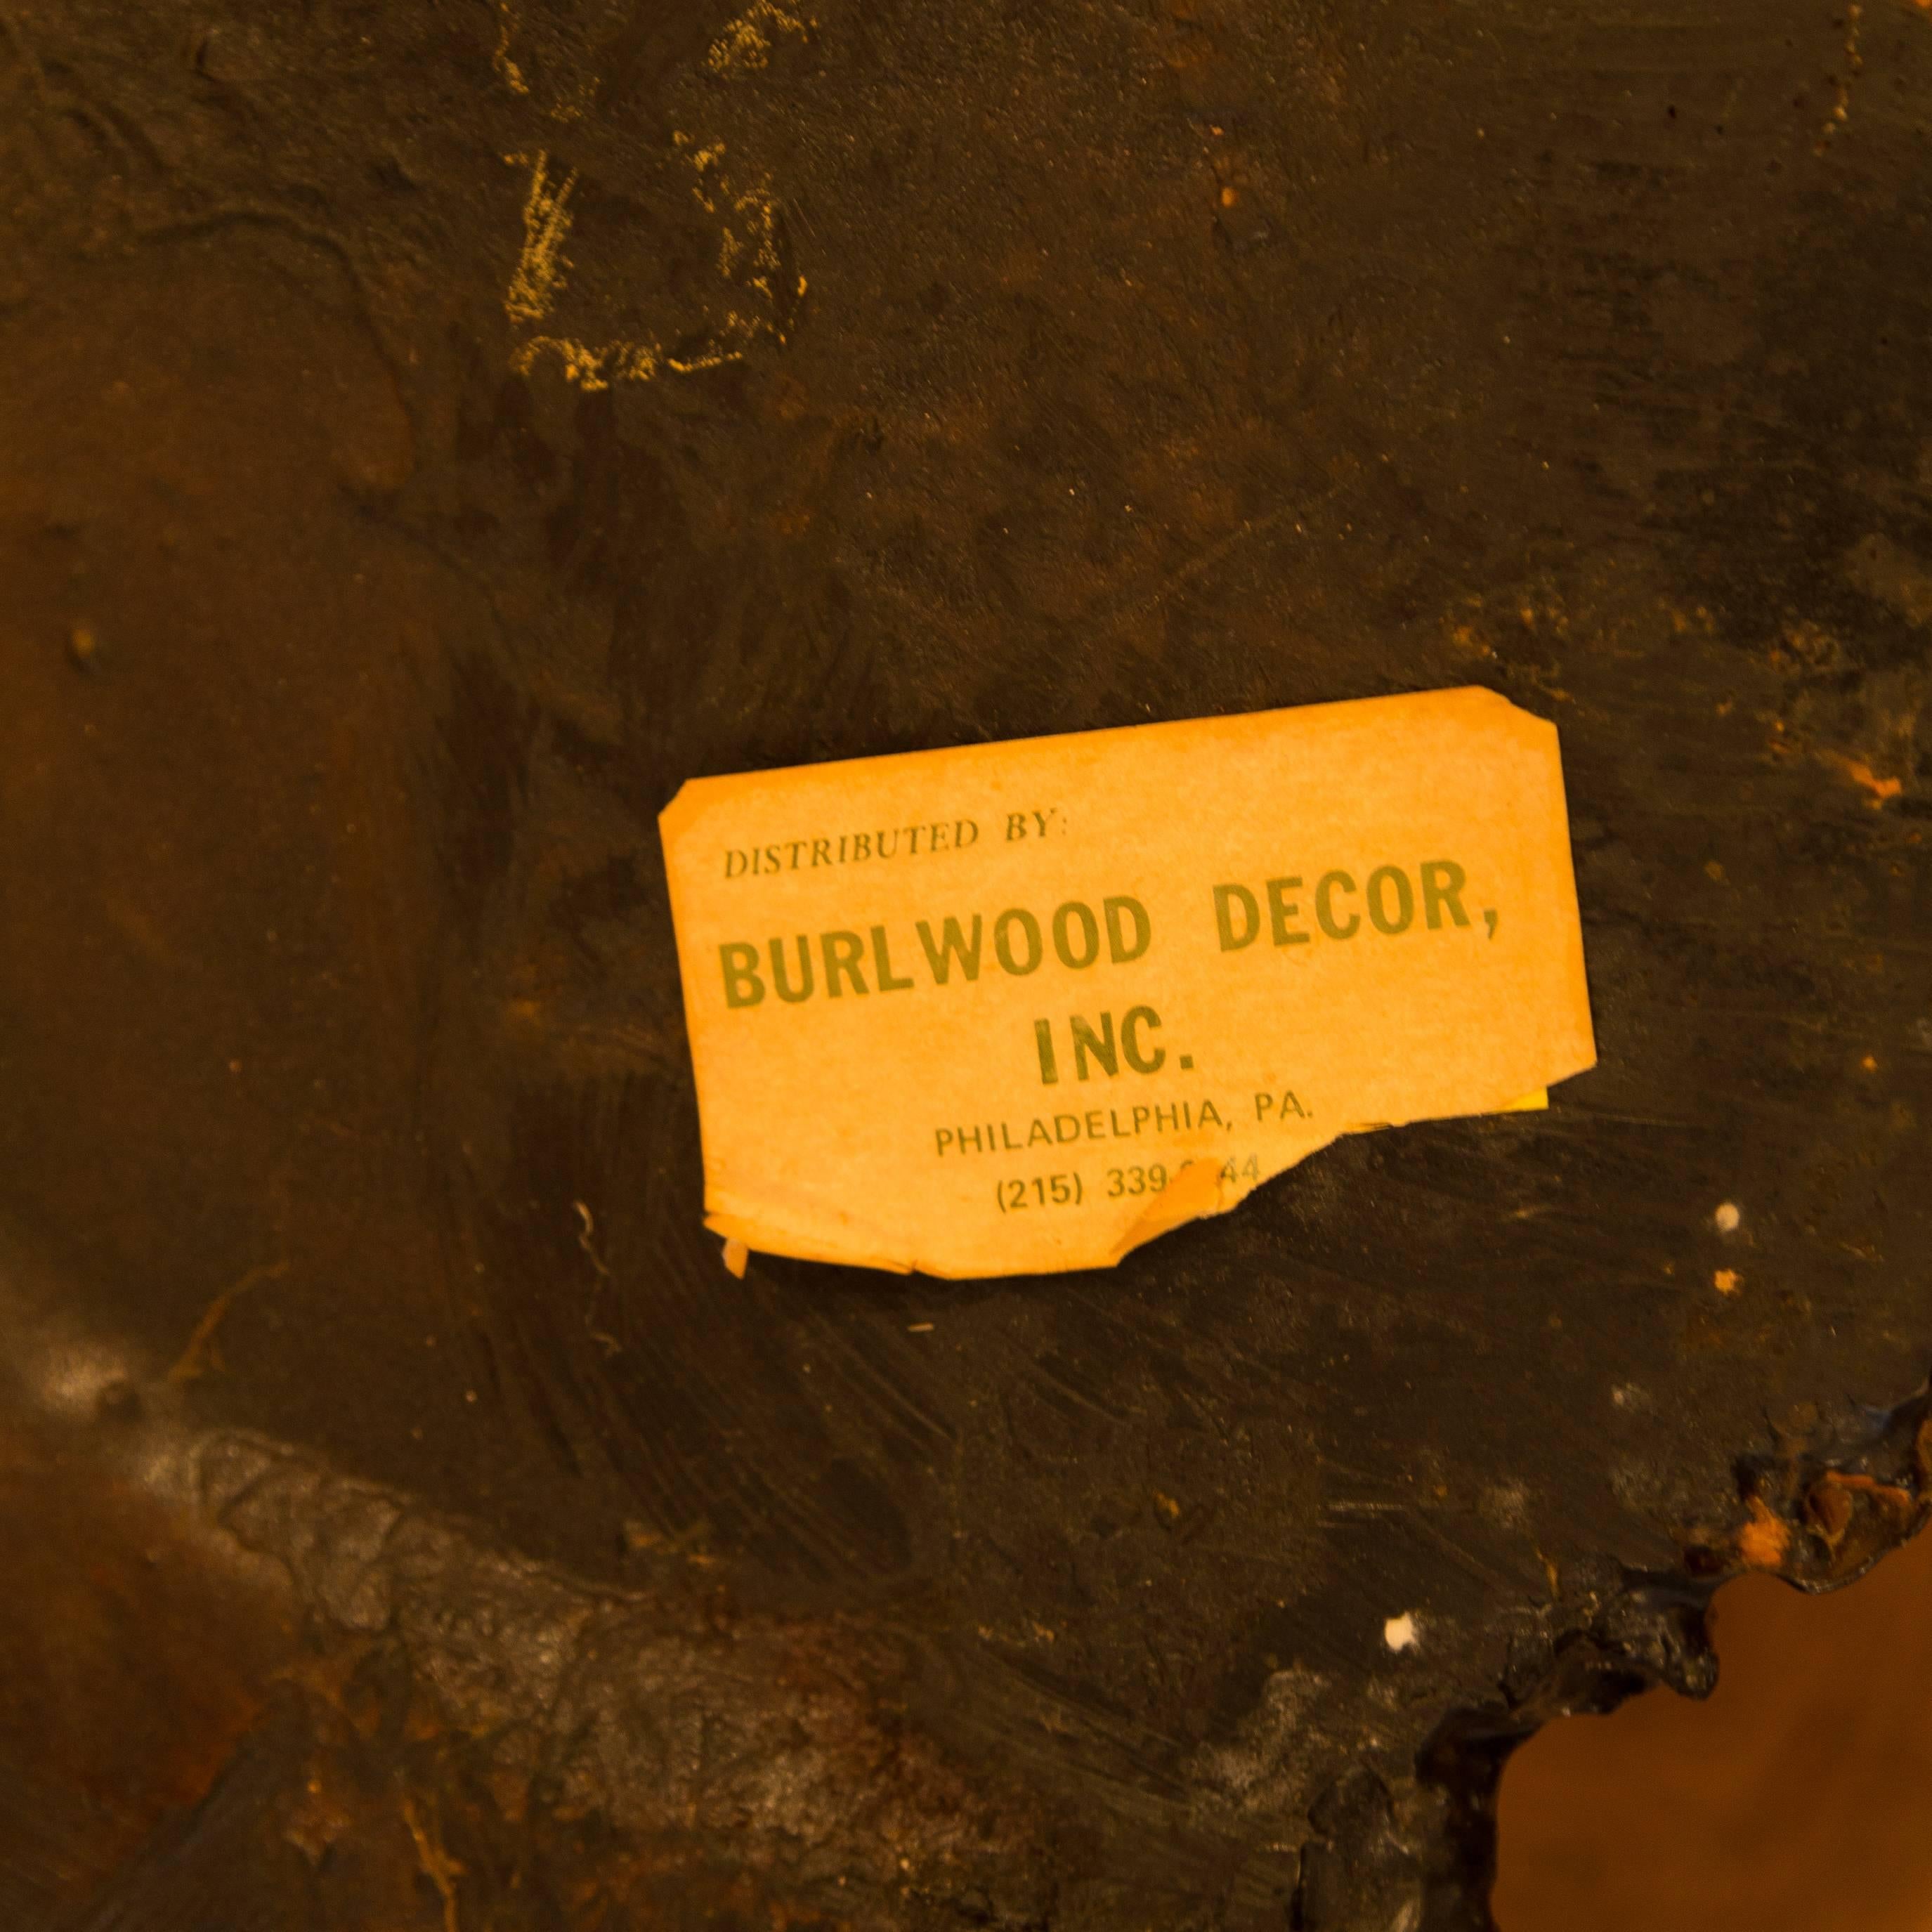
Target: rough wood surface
430,432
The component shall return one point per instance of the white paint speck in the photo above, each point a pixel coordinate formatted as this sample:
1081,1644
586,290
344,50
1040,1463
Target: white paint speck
1726,1219
1399,1633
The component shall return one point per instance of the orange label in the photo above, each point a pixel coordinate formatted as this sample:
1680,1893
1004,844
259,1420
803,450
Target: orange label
1021,1007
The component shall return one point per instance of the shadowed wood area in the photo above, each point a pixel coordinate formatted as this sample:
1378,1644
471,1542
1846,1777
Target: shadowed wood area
431,433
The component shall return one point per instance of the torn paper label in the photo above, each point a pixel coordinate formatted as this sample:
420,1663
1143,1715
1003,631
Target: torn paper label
1014,1008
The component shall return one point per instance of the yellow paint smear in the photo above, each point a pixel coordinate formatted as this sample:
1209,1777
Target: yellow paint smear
590,368
506,68
541,261
747,41
749,262
1023,1007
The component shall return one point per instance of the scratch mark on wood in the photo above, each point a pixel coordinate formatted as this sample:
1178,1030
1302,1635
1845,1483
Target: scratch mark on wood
201,1355
438,1867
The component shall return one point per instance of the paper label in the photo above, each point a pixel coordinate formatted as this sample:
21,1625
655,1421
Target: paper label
1019,1007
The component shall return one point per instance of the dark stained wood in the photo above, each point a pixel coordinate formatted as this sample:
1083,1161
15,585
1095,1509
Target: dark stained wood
1065,366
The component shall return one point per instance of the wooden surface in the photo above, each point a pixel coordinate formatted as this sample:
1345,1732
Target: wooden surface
965,372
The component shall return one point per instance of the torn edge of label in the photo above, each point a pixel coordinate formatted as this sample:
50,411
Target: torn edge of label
1199,1192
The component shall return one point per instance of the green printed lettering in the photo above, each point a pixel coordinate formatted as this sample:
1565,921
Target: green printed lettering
843,951
780,982
1137,1058
882,962
1442,883
1003,946
1090,935
742,986
1282,909
1226,898
1100,1044
952,941
1049,1068
1325,914
1116,910
1404,914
